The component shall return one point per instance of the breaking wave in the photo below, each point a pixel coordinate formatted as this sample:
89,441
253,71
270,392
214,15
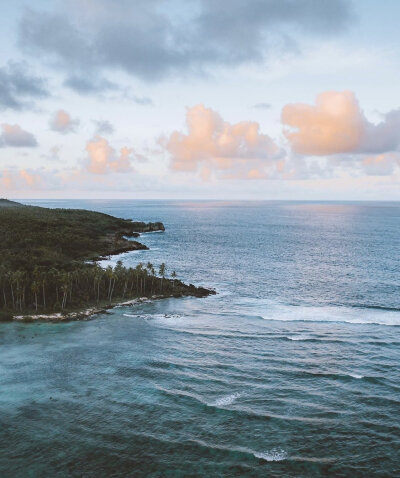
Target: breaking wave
226,400
276,454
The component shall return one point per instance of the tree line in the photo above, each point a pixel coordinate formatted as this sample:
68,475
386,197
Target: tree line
52,290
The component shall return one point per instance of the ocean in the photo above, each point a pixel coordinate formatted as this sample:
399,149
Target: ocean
291,370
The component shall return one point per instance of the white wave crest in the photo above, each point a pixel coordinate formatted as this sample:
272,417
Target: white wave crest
276,454
355,375
226,400
299,337
272,310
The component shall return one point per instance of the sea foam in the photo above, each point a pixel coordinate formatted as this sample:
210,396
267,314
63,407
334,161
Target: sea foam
299,337
276,454
355,375
226,400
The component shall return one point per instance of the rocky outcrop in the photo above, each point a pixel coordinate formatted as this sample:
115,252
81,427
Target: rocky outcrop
147,227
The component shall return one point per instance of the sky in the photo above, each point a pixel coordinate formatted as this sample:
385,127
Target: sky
178,99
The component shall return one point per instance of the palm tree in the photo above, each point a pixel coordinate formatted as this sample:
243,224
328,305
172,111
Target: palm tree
43,277
98,276
35,287
11,281
64,289
161,270
110,276
3,280
138,272
173,275
150,268
19,278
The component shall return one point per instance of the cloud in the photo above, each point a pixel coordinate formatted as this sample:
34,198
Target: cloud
381,164
29,178
103,127
149,41
384,136
336,124
15,136
20,179
53,154
213,145
142,100
63,123
86,85
18,87
262,106
103,159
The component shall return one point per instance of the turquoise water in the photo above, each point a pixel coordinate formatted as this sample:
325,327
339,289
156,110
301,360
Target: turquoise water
291,370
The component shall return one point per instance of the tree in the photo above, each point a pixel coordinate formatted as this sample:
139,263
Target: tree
162,269
138,272
110,276
173,275
35,287
150,269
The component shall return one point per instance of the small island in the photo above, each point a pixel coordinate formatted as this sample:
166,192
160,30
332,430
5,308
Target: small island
49,269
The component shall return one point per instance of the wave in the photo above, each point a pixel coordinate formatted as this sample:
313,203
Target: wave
223,401
388,323
276,454
153,316
243,411
305,338
300,338
226,400
332,314
355,375
268,309
376,307
331,375
272,455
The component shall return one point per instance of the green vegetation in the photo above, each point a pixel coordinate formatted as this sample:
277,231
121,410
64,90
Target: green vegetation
47,261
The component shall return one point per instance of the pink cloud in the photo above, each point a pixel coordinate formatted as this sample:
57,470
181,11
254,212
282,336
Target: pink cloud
336,124
63,123
333,125
102,158
213,145
21,179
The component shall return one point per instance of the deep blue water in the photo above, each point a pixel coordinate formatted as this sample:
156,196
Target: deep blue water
292,370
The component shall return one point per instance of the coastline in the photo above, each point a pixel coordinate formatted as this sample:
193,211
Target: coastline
87,313
81,314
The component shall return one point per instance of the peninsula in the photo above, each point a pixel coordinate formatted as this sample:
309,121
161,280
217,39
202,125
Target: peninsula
49,269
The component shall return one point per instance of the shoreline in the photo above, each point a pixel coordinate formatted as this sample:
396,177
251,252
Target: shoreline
88,312
81,314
